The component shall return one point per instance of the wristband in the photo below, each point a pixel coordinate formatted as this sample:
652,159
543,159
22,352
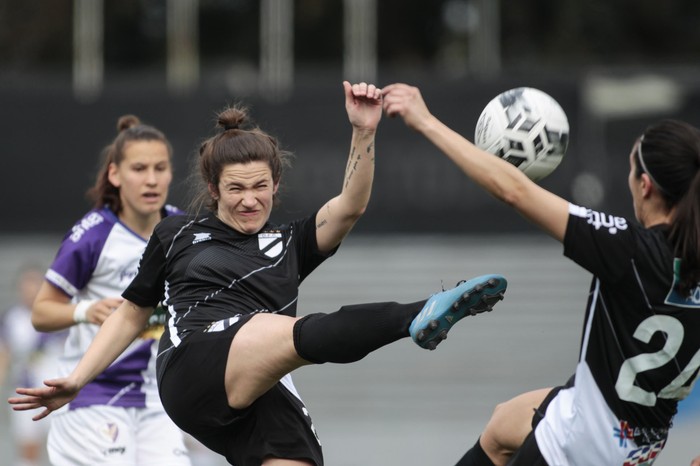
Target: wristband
80,312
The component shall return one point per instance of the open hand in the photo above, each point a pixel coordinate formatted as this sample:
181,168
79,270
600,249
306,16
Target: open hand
56,393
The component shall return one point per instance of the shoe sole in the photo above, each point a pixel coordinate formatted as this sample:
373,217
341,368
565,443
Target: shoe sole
476,300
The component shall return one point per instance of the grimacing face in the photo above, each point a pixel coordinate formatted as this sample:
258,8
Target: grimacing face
245,196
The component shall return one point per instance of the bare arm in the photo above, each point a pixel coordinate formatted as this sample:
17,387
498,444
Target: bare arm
53,309
337,217
115,335
498,177
696,461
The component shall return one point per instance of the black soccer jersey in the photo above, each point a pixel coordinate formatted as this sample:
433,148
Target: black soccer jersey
206,272
641,339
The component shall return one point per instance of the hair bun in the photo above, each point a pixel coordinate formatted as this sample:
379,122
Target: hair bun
232,118
127,121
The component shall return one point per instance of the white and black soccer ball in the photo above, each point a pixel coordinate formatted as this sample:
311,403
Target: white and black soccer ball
526,127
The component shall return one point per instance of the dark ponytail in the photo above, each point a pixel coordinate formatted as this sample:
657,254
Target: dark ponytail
670,153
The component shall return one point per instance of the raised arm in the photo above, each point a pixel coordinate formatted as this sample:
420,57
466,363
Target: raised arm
115,335
337,217
498,177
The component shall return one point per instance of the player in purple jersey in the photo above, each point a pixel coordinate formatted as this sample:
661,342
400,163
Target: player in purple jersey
118,417
640,351
230,281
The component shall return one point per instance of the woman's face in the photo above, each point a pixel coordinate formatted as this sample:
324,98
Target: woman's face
143,177
245,196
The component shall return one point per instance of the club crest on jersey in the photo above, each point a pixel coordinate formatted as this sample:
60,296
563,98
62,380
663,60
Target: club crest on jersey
674,297
110,430
270,243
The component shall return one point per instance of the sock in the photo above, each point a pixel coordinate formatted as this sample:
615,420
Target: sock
475,457
352,332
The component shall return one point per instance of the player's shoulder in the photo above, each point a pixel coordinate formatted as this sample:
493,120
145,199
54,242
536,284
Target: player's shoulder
175,221
94,226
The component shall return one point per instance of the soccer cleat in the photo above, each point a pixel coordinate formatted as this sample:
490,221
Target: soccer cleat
443,310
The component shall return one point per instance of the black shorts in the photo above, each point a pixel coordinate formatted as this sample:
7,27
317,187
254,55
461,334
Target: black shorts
193,394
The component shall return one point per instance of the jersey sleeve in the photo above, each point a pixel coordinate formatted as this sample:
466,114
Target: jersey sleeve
310,256
148,286
600,243
78,254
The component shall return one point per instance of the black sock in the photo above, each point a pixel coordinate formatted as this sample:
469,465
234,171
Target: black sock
475,457
352,332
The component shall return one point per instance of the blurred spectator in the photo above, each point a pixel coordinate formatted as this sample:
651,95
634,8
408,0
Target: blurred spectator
27,357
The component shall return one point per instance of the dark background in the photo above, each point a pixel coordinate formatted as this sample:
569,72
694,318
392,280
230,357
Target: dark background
51,140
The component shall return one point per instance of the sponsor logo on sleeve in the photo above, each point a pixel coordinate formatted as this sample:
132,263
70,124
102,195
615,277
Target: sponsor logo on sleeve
601,220
88,222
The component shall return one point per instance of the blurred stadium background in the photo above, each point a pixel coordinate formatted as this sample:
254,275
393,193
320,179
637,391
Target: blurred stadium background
70,68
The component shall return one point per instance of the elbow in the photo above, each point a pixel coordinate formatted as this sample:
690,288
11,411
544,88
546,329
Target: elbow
510,198
353,213
40,324
514,195
43,321
359,212
353,216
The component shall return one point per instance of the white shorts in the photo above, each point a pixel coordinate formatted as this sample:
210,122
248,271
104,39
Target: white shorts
108,435
578,429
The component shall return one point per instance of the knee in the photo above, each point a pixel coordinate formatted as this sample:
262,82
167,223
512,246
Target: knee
494,439
236,401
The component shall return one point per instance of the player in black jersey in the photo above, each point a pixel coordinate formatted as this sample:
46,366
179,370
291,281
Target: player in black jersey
640,351
229,280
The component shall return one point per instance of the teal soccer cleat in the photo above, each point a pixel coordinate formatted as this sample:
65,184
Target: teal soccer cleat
443,310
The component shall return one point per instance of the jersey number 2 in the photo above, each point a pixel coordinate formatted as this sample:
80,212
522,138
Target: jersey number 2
679,387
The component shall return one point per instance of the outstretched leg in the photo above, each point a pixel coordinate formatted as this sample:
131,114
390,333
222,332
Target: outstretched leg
270,346
443,310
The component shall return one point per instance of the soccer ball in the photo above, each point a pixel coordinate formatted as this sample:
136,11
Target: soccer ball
525,127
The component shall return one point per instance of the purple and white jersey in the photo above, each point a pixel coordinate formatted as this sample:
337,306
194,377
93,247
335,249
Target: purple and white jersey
97,259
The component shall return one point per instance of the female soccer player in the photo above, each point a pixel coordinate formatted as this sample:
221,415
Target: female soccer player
230,280
640,352
118,417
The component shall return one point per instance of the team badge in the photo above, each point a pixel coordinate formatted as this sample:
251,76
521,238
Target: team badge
110,431
270,243
674,297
